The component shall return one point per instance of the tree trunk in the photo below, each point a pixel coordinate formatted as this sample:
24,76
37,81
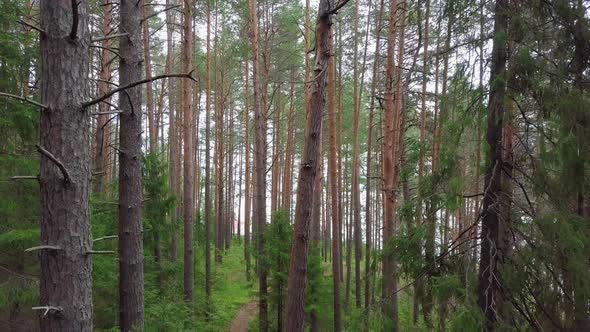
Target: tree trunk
310,164
260,166
248,199
147,60
219,196
391,121
66,272
290,150
130,190
368,223
421,163
173,133
188,179
492,251
208,164
103,125
333,168
355,190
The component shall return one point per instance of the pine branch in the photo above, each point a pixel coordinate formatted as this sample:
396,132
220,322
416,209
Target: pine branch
116,35
59,164
25,99
134,84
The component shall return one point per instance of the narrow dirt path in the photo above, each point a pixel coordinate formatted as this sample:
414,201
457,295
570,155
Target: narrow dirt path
244,316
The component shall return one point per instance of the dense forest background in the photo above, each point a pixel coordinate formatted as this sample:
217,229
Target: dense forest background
327,165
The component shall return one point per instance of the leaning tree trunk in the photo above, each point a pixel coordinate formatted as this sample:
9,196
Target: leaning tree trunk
489,288
310,165
130,191
66,266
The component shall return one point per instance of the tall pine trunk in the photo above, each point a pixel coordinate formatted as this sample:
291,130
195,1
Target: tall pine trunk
186,104
260,169
131,306
489,289
66,270
208,163
334,204
310,165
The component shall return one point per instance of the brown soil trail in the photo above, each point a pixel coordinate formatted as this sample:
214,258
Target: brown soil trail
244,316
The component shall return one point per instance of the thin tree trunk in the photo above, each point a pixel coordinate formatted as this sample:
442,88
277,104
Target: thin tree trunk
248,199
208,165
173,133
260,166
147,60
103,126
219,196
421,163
375,78
389,160
290,150
334,205
188,198
355,190
66,272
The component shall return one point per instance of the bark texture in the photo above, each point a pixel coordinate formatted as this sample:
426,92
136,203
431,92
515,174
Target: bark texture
131,305
260,168
310,165
186,94
66,273
492,251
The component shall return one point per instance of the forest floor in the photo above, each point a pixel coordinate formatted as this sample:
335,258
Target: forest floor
246,314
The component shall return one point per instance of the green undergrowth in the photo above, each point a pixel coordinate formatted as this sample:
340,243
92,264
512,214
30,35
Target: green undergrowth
165,308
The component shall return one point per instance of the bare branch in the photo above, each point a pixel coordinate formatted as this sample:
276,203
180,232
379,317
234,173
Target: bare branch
25,177
48,308
23,98
45,247
107,113
116,35
31,26
337,8
100,252
134,84
59,164
106,238
158,12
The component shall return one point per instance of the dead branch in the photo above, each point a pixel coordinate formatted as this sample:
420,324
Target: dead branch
25,177
107,113
158,13
116,35
25,99
48,308
45,247
31,26
134,84
337,8
100,252
105,238
59,164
